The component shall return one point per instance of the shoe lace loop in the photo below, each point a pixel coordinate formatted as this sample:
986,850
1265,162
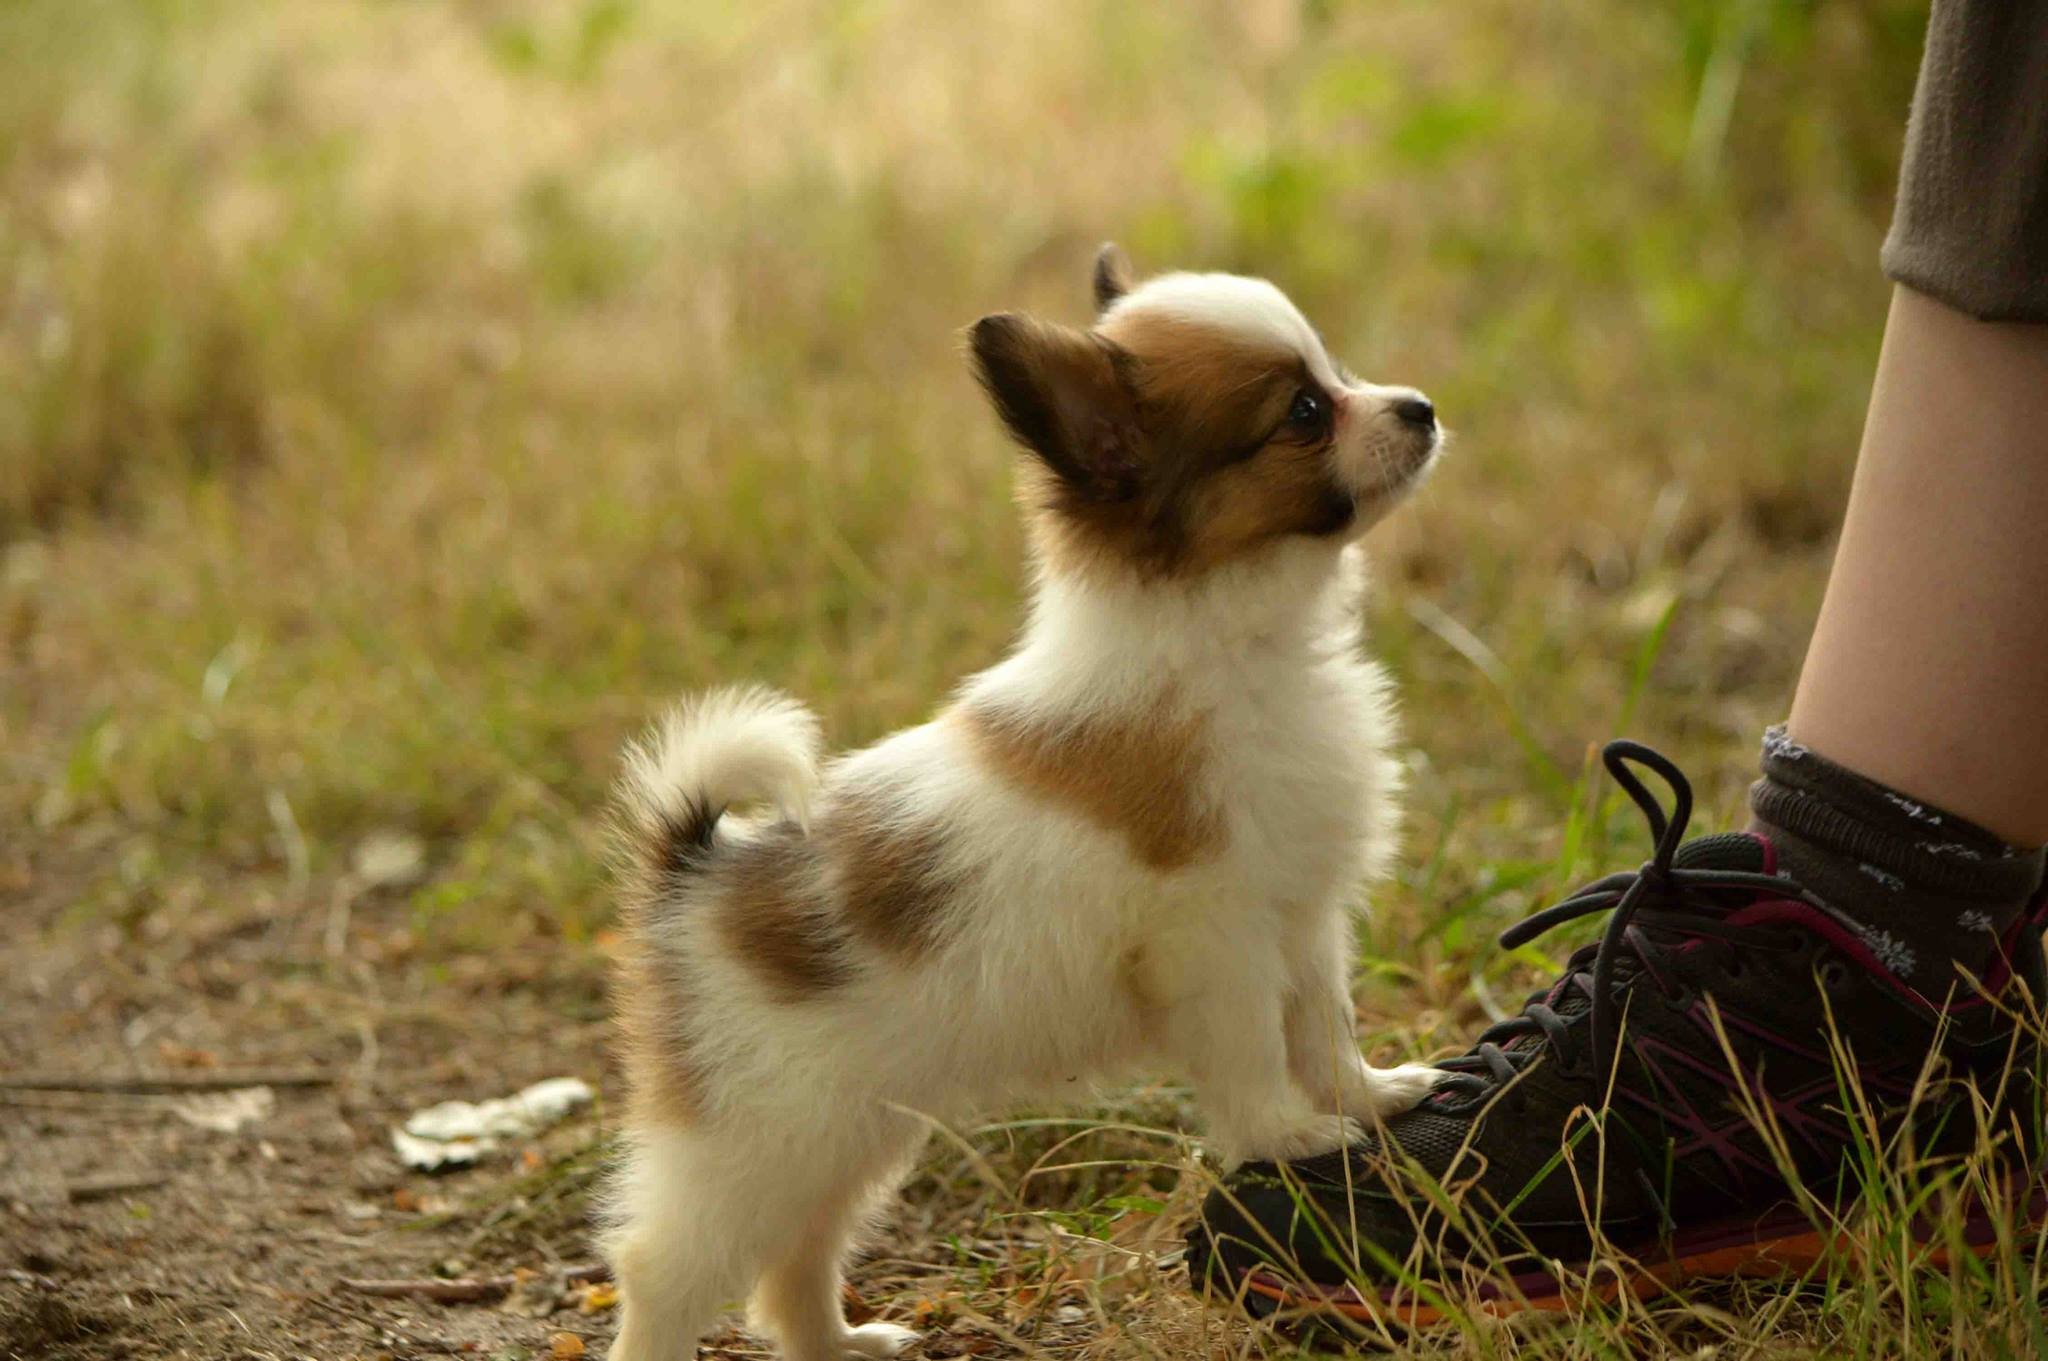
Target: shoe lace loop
1658,884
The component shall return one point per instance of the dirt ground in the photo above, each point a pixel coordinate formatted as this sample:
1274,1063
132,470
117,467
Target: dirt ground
128,1231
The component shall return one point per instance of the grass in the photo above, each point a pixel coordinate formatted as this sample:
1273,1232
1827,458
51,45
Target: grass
401,402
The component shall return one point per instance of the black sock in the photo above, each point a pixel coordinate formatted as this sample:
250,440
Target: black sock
1926,890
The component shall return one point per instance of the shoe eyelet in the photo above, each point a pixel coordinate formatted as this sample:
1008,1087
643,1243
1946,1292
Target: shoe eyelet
1833,973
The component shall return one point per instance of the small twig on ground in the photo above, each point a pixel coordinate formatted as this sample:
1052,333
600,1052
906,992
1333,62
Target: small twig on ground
222,1080
28,1278
99,1105
468,1290
471,1290
101,1188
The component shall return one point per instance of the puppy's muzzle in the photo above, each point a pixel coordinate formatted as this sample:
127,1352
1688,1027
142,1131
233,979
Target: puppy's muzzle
1418,413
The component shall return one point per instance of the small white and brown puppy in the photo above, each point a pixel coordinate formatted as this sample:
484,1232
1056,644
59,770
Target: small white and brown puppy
1136,840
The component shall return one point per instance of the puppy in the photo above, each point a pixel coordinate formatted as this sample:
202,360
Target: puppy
1136,840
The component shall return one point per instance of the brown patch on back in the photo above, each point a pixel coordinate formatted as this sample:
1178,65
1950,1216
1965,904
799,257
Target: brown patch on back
1221,477
774,906
1137,775
894,882
776,918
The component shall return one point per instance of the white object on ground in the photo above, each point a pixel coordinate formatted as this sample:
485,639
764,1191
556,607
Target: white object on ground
228,1112
459,1133
390,859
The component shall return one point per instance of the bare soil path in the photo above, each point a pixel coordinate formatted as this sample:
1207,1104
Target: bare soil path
126,1230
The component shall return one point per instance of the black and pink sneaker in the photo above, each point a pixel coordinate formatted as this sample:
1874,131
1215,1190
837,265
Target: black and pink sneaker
1728,1038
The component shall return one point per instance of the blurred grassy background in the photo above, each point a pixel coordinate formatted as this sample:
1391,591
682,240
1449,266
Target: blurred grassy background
399,400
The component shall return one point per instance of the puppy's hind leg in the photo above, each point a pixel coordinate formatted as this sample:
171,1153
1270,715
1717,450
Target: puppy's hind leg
696,1215
798,1299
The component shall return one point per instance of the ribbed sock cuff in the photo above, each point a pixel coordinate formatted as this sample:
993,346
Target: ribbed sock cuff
1921,882
1828,804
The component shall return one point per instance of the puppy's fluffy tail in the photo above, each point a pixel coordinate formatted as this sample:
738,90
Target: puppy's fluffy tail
710,752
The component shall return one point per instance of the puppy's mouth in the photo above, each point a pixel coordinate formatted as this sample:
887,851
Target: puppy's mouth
1390,467
1409,457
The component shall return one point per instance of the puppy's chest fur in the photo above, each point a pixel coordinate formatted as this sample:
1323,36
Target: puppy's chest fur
1293,767
1256,786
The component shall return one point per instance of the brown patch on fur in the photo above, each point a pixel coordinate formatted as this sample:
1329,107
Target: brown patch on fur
648,998
1287,490
895,885
775,917
1221,474
1136,776
663,1087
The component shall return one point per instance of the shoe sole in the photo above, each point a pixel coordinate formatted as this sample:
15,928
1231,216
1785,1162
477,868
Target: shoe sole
1779,1255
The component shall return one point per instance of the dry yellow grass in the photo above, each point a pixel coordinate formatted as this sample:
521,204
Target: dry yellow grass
398,402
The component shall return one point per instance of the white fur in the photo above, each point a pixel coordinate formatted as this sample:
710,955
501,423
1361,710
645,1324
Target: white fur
805,1118
726,747
1253,308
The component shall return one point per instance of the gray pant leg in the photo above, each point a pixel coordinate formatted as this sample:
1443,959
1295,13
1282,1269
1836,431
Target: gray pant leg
1971,224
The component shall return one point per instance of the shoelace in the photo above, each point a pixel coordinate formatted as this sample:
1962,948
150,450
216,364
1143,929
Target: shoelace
1658,885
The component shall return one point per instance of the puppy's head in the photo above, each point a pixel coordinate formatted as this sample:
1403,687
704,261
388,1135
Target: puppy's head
1198,423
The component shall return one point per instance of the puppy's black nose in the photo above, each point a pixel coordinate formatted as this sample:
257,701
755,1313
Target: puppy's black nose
1417,412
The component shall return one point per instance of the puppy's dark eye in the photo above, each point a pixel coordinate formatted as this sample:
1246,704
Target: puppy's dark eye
1309,411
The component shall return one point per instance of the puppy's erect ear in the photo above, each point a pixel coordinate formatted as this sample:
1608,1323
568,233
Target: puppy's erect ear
1062,394
1112,276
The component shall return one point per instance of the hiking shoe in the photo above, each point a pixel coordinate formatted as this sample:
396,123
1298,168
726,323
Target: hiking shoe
1727,1040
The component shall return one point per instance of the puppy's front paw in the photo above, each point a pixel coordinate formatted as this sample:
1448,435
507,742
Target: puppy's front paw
1376,1093
878,1340
1304,1137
